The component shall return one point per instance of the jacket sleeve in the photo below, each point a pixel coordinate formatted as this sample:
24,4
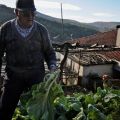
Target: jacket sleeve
49,53
2,46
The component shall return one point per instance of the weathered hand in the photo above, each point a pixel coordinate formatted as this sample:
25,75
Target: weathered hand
53,68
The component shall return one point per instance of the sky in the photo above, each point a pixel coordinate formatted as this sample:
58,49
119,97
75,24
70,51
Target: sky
86,11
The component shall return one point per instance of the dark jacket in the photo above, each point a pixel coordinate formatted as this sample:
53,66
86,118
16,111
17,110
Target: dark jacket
26,53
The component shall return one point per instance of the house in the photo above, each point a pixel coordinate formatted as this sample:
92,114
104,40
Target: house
109,39
88,63
115,56
97,62
84,65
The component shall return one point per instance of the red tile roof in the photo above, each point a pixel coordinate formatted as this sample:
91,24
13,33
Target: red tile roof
105,38
112,54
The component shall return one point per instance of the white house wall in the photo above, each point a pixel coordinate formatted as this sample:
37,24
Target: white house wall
81,71
118,38
69,63
59,56
99,69
85,70
72,65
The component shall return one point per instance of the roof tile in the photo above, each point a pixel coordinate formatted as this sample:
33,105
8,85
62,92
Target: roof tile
105,38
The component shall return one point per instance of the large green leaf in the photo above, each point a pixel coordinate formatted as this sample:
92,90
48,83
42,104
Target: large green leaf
40,106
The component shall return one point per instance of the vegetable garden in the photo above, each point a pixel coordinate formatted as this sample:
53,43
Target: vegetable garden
47,101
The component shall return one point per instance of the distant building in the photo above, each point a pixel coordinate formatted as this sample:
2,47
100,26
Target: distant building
89,63
97,62
110,39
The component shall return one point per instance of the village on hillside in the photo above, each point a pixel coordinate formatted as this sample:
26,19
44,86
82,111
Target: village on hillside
96,57
89,61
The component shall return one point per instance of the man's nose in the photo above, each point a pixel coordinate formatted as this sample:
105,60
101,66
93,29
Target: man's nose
30,14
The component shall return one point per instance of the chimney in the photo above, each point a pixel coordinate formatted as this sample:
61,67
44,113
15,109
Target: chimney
118,36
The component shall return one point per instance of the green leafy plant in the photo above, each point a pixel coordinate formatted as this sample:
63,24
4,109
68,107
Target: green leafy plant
48,102
40,106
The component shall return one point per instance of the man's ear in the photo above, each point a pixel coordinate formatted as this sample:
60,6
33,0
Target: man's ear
16,11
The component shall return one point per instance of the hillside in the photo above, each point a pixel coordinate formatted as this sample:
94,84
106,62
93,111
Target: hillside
72,22
99,26
71,28
104,26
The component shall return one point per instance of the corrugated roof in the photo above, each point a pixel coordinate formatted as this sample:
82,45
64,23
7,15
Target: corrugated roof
112,54
90,59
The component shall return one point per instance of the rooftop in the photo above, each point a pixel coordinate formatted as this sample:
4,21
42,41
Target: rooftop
106,38
90,59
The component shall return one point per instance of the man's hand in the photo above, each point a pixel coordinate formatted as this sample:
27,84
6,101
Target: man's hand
53,68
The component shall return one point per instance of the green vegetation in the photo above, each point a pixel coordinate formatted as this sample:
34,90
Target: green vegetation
46,101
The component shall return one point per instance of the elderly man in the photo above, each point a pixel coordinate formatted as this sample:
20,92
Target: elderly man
26,44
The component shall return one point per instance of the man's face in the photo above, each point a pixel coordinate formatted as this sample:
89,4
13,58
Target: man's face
25,17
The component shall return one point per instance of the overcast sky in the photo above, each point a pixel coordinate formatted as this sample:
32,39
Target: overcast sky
80,10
